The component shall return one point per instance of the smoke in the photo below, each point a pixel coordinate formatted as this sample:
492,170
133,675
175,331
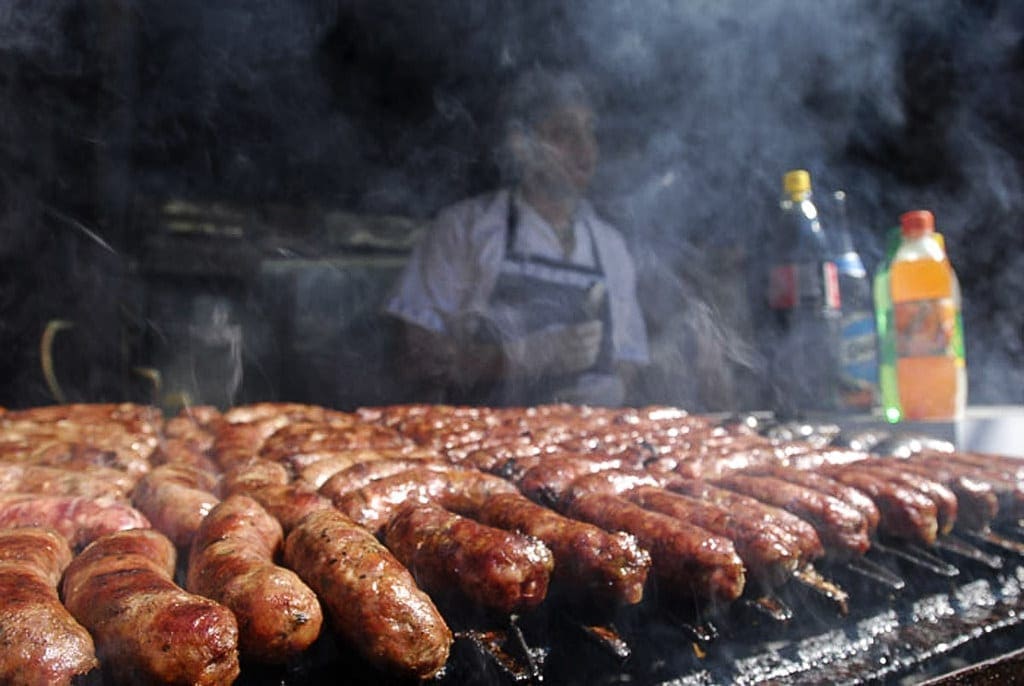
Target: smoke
387,107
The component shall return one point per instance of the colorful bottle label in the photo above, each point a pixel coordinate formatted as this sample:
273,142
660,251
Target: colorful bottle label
802,283
858,360
926,328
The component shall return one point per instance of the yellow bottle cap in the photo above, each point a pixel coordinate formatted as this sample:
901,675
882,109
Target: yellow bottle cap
796,181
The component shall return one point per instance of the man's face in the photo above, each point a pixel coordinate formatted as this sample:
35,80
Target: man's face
565,149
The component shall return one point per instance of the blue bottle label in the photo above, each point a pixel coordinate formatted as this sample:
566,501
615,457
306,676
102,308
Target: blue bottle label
858,360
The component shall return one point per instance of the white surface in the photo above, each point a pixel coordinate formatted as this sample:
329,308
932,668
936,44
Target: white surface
992,429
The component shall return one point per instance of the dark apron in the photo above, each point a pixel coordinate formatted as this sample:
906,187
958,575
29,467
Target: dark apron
534,292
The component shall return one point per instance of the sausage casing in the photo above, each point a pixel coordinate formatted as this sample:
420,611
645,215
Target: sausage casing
146,628
232,562
371,598
40,642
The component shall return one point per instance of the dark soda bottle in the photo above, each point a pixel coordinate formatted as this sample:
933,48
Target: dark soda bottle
804,302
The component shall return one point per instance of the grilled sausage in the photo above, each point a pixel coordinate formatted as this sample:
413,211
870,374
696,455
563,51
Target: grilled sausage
76,456
548,481
906,513
371,598
363,474
587,558
252,473
79,520
232,562
304,443
842,529
41,642
462,491
28,478
147,629
946,503
805,535
769,553
496,569
823,484
176,498
983,498
689,561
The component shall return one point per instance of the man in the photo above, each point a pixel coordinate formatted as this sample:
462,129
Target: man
523,295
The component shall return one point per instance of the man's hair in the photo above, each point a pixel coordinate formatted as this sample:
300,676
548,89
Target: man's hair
533,94
536,92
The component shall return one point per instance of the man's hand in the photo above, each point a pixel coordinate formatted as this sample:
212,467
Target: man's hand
555,350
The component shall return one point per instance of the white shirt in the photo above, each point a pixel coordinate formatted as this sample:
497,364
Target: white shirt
454,268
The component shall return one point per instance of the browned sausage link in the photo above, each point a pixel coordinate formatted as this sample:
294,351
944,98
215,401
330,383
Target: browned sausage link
288,504
823,484
79,520
769,553
496,569
232,562
318,473
183,451
175,498
462,491
79,457
1005,474
587,558
691,562
945,499
41,642
237,442
842,529
357,476
28,478
302,444
1010,467
268,484
254,472
906,513
370,597
466,490
609,482
549,480
807,538
716,466
983,498
147,629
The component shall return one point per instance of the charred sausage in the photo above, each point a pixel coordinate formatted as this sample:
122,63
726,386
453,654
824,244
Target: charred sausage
232,562
176,498
587,558
42,643
371,598
842,529
28,478
146,628
496,569
906,513
769,553
462,491
690,562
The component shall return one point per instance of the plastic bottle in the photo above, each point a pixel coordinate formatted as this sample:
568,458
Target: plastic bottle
803,298
925,327
888,393
858,360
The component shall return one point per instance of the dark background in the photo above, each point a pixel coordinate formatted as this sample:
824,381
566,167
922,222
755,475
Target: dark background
223,191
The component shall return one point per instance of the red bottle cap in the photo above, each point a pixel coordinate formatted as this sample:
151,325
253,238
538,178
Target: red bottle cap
917,223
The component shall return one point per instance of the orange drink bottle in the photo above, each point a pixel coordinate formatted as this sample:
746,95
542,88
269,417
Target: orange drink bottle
930,373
